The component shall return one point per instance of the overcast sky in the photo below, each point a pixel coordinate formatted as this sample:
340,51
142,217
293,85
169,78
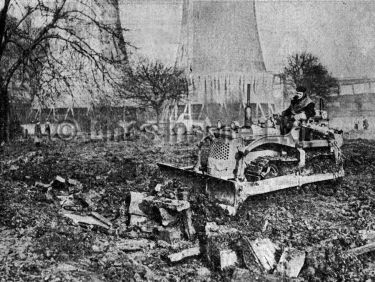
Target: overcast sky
340,33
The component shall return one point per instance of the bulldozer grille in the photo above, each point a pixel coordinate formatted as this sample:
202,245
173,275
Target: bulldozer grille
220,150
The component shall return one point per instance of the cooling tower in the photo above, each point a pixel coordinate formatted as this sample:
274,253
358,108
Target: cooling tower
221,53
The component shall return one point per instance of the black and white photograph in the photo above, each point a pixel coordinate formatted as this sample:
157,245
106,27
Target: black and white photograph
187,140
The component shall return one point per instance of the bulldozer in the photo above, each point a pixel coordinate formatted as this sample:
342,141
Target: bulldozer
236,162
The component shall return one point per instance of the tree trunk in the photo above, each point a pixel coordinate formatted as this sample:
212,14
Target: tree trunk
4,115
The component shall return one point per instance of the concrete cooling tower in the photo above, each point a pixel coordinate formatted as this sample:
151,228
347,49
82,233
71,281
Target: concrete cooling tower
221,53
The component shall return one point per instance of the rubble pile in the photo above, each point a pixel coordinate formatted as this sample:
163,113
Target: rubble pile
101,212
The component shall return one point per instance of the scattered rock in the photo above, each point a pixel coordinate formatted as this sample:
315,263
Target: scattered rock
170,234
291,262
184,254
228,258
131,245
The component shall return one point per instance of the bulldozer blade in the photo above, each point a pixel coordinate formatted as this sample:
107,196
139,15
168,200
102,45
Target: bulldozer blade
229,194
220,190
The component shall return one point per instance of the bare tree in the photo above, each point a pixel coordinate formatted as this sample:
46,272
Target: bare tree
305,69
58,46
153,85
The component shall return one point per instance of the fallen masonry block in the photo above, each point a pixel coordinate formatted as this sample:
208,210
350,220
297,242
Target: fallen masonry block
221,245
158,187
241,275
166,217
362,250
136,198
188,224
291,262
184,254
170,234
367,235
60,179
73,182
101,218
228,258
175,205
14,167
212,229
43,185
135,220
86,220
262,251
131,245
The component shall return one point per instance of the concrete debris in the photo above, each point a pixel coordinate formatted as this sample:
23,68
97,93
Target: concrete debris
43,185
367,235
229,209
73,182
362,250
136,198
86,220
291,262
184,254
175,205
136,215
203,272
212,229
166,217
228,258
158,188
169,234
241,275
60,179
89,198
188,224
101,218
14,167
132,245
136,220
264,251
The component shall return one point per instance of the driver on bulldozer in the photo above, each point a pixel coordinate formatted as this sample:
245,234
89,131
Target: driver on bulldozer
301,109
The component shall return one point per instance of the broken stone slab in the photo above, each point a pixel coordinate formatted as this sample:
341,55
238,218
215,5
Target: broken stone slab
203,272
195,251
262,251
86,220
228,258
188,224
241,275
170,234
291,262
367,235
136,220
158,188
136,198
14,167
101,218
213,229
167,218
89,199
73,182
60,179
43,185
362,250
132,245
172,204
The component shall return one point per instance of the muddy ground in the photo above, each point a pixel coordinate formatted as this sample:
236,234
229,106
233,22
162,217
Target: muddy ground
38,243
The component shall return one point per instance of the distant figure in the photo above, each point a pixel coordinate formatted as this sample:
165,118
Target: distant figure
356,124
47,129
365,123
37,134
